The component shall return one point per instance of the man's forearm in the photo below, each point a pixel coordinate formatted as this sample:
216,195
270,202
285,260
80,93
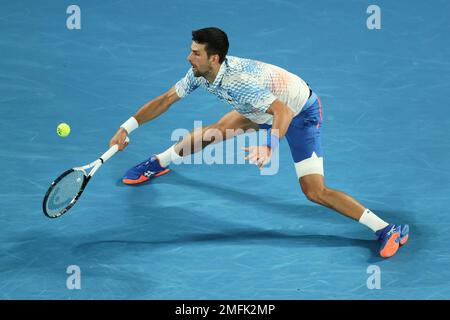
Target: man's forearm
281,122
282,117
152,109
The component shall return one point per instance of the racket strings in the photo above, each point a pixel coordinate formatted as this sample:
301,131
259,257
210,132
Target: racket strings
64,191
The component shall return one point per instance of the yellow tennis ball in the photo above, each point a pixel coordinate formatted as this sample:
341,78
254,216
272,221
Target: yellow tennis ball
63,129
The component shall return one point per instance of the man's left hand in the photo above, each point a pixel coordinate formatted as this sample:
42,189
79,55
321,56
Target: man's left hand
259,155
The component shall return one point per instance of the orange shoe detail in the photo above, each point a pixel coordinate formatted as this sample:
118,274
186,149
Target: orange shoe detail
391,246
403,241
162,172
144,178
137,181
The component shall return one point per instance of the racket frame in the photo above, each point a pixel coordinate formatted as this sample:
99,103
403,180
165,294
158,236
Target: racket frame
95,165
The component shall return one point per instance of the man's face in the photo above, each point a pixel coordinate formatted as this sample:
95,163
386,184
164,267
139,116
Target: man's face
198,58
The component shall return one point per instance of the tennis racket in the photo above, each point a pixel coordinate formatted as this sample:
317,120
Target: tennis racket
68,187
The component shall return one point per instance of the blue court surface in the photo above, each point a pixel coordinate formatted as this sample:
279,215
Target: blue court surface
223,231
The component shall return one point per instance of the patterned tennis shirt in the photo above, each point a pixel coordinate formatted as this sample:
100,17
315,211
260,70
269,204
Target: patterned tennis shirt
250,87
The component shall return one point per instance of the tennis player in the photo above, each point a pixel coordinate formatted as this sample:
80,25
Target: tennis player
262,96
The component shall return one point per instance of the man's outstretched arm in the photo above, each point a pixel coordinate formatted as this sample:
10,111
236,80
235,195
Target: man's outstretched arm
147,112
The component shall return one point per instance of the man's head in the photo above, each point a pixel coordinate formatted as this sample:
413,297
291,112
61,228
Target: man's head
208,50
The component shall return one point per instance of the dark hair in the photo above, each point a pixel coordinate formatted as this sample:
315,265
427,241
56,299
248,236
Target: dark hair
215,40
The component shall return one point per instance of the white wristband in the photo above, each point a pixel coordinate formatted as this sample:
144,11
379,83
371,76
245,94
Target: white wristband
130,125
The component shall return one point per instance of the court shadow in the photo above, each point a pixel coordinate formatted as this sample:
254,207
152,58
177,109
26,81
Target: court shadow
242,237
275,205
236,233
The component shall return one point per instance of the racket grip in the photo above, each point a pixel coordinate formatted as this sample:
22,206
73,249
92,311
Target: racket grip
111,151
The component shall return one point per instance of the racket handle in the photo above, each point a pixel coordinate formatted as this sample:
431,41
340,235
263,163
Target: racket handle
111,151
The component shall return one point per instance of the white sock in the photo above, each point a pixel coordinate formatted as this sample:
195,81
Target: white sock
166,157
372,221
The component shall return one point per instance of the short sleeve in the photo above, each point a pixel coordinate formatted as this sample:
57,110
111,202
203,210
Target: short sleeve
187,84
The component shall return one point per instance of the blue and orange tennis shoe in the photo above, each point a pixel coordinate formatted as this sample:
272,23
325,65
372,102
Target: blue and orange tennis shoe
144,171
391,238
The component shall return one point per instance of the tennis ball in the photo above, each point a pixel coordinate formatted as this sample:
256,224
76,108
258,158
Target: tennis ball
63,129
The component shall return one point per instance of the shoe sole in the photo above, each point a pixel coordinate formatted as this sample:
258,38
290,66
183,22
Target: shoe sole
143,178
391,247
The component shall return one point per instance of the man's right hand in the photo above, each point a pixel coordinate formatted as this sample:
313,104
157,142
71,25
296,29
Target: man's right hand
119,139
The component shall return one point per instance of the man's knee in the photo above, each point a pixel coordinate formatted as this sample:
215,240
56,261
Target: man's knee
314,193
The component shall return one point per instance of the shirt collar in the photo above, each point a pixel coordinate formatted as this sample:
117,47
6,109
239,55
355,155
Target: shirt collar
219,75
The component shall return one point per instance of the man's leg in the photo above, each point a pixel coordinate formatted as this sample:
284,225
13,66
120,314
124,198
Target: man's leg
229,126
303,137
315,190
390,236
311,178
